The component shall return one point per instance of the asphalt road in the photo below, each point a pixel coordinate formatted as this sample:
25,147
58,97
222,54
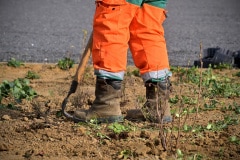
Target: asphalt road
48,30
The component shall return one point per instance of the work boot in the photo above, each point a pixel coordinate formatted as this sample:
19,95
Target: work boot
106,106
157,108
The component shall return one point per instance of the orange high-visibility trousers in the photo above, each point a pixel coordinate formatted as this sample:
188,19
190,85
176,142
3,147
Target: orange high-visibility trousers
119,25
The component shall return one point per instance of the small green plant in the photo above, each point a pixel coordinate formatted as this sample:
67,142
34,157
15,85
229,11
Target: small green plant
187,128
211,105
59,114
32,75
94,124
102,136
65,63
95,129
237,110
9,106
18,89
196,157
14,63
188,100
125,154
179,154
234,139
136,73
118,128
174,100
222,66
232,107
198,129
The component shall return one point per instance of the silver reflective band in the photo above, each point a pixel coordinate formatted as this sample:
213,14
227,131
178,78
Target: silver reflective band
109,75
161,74
156,75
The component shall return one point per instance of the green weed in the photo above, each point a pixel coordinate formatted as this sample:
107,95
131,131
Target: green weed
9,106
18,89
234,139
232,107
211,105
213,85
222,66
222,124
14,63
65,63
136,73
179,154
32,75
118,128
126,154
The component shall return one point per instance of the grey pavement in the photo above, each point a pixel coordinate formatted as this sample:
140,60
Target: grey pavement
48,30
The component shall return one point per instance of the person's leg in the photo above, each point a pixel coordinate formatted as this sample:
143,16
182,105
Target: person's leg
109,52
147,42
149,51
111,36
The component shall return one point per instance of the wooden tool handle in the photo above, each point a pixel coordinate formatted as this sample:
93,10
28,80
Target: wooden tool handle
84,60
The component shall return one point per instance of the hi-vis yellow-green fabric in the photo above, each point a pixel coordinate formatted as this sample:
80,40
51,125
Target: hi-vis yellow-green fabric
156,3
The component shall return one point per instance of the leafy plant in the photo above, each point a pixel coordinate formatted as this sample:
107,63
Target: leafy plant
224,89
197,157
237,109
32,75
212,84
220,125
179,154
187,100
234,139
59,113
197,129
18,89
211,105
223,66
65,63
136,73
14,63
174,99
102,136
9,106
125,154
186,128
233,107
118,128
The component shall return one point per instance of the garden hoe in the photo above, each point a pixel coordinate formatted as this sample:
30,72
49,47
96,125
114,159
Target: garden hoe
78,77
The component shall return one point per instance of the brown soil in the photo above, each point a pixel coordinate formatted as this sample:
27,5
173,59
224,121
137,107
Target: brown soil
35,131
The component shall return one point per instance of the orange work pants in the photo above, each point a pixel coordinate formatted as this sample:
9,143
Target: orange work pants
118,25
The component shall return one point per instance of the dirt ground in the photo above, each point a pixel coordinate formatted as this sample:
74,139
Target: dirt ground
36,130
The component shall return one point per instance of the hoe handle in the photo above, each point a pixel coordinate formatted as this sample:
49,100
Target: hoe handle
78,76
81,66
85,57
